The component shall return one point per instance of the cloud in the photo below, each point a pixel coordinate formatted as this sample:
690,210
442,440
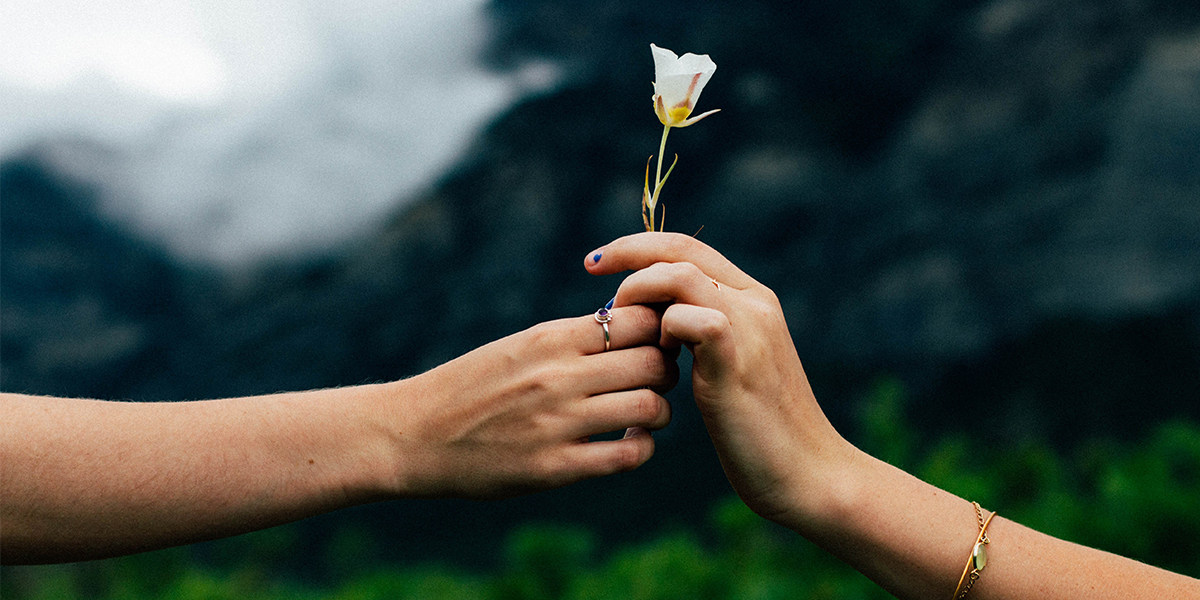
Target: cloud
253,128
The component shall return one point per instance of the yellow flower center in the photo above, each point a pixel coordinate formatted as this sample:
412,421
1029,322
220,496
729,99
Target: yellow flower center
678,114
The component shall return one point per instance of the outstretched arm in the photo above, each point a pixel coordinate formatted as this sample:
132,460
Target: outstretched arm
791,466
86,479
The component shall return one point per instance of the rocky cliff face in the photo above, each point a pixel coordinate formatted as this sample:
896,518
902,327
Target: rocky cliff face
995,200
927,185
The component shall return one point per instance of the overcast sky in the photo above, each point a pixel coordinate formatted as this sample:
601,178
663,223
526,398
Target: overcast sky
236,129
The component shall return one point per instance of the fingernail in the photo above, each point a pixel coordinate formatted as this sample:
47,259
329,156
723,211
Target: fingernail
596,257
610,303
636,431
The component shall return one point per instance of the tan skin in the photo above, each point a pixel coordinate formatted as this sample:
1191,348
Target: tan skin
86,479
790,465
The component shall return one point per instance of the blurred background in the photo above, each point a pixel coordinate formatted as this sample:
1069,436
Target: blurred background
982,219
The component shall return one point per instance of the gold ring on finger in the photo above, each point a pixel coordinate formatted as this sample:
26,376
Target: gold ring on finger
603,316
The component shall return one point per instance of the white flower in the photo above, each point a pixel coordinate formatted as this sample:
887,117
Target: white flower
678,81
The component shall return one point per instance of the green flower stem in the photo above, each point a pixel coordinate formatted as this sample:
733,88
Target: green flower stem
662,148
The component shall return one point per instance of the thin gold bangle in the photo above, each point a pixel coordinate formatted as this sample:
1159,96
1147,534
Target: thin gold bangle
978,559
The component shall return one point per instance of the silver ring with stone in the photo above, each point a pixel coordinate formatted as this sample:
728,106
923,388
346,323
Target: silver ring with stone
603,316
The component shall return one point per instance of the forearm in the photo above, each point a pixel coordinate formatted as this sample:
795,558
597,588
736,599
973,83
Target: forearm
788,463
914,540
86,479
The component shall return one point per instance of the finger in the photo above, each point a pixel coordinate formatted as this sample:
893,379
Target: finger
671,282
671,378
635,252
621,410
597,459
710,338
628,369
628,327
694,325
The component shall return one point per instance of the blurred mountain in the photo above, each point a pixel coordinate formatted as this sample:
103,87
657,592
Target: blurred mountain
85,306
996,201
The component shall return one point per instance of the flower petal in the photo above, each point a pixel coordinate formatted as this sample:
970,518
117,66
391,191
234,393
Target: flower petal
693,120
668,63
679,80
660,109
674,89
695,63
664,60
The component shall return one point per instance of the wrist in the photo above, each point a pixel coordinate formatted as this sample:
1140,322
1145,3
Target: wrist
827,487
392,463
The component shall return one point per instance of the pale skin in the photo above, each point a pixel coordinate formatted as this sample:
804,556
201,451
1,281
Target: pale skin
790,465
86,479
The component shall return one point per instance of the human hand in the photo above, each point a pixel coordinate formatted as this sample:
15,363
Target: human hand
514,416
775,444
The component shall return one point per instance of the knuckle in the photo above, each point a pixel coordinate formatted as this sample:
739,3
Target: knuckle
542,425
543,381
646,407
653,362
548,468
714,327
770,297
685,271
767,307
657,411
630,455
640,324
680,245
544,335
645,318
668,270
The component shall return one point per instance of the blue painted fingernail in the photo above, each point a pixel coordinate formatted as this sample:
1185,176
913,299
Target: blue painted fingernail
596,257
610,303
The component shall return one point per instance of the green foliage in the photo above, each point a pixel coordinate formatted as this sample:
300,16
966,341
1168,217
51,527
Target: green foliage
543,561
884,433
1141,501
420,583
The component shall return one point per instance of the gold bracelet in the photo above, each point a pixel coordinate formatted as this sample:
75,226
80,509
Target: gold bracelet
978,559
